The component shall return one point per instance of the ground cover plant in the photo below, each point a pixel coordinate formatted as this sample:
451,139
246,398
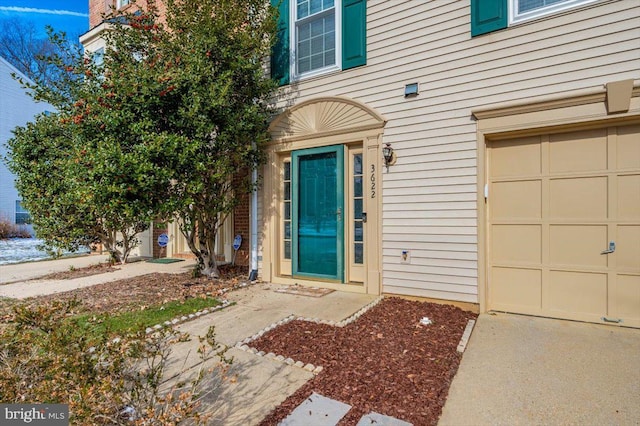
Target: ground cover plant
96,356
45,357
147,316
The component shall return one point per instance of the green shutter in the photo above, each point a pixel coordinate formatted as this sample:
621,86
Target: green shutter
354,33
488,16
280,50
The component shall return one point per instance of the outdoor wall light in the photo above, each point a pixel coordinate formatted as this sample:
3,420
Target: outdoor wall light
411,90
389,155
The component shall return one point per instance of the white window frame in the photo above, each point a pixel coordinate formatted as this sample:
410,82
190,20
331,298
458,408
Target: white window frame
23,212
293,65
122,3
515,18
98,56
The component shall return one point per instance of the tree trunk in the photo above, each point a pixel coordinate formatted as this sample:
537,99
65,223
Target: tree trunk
129,242
114,253
207,252
203,249
110,243
208,265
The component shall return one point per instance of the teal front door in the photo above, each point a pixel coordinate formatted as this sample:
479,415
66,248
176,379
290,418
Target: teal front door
318,213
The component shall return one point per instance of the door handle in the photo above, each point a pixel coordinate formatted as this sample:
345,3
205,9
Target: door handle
611,249
339,213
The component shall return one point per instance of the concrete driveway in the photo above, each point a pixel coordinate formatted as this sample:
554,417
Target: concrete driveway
520,370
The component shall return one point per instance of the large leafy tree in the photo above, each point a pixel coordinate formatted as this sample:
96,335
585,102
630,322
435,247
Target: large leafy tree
86,173
220,104
170,125
200,78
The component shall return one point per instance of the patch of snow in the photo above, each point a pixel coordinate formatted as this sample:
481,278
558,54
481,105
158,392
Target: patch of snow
17,250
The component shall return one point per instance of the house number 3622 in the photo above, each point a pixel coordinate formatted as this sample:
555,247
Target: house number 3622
373,181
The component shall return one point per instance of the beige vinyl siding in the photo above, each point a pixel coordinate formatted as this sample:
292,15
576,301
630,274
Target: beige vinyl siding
430,195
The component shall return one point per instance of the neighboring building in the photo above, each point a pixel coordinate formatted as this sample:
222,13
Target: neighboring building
17,108
515,129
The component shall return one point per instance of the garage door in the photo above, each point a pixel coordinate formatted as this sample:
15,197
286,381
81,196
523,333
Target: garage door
564,225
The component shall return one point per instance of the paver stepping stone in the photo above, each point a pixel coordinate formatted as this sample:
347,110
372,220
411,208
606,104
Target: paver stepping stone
317,410
376,419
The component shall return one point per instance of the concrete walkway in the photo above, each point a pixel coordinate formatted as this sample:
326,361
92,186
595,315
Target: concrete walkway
19,281
260,383
520,370
16,272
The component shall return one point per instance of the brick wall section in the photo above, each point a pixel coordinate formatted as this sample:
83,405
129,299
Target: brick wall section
158,229
98,8
162,10
241,224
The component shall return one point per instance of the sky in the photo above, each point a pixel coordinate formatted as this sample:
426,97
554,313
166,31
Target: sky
71,16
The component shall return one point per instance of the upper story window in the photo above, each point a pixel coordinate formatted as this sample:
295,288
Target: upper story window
318,36
493,15
122,3
98,56
315,32
521,10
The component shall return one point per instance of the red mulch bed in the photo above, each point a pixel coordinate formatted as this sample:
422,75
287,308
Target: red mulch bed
386,361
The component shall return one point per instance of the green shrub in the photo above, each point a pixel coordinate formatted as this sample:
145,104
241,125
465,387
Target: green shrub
46,358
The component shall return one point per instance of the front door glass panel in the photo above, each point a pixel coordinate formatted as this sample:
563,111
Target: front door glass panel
318,213
358,218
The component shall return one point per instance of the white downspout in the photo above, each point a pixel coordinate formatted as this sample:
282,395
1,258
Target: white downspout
253,227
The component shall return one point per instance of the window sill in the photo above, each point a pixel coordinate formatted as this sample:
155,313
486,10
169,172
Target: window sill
124,8
550,12
316,74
